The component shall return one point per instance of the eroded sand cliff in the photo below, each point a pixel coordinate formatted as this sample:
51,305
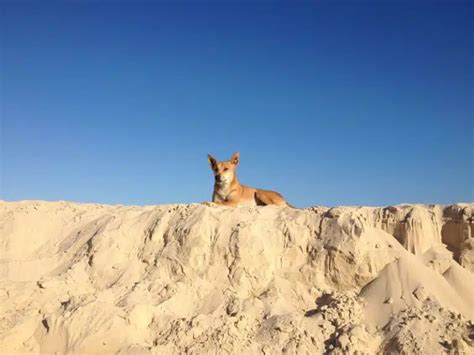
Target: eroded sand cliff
199,279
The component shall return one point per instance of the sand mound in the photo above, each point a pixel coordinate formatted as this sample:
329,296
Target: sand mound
198,279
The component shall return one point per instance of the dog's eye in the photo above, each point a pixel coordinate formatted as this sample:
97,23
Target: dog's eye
225,169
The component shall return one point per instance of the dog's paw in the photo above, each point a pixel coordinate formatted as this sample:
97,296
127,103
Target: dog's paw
208,204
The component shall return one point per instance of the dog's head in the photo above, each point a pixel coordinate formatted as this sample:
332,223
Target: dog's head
224,171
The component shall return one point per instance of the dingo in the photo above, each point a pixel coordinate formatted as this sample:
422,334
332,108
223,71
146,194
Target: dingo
229,192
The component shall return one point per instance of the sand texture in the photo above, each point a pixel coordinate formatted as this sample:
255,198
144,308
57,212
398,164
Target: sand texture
198,279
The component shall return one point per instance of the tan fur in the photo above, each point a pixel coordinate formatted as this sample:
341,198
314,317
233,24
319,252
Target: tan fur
229,191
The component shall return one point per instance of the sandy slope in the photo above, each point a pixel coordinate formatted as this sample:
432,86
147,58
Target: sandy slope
199,279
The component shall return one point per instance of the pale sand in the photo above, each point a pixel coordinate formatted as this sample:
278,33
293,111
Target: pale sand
88,278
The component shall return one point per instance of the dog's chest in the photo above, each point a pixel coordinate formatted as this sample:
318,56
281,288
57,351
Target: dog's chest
222,193
247,203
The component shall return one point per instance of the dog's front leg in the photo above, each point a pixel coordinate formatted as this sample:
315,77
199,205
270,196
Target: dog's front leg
226,203
208,203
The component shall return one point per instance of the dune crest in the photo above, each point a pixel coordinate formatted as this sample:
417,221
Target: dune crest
197,279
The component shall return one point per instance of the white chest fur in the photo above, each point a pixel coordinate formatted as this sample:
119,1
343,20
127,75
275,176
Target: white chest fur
247,203
222,192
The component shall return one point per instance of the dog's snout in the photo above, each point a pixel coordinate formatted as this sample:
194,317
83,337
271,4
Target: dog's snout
218,178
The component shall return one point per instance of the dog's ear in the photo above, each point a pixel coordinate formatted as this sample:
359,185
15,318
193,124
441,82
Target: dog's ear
212,161
235,158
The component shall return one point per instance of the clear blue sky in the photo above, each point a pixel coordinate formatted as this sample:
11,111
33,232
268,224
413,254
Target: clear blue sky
329,103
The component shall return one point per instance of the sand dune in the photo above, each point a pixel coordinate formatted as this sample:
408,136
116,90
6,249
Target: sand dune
90,278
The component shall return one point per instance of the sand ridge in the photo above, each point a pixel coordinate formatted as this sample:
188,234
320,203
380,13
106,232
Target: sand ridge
90,278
